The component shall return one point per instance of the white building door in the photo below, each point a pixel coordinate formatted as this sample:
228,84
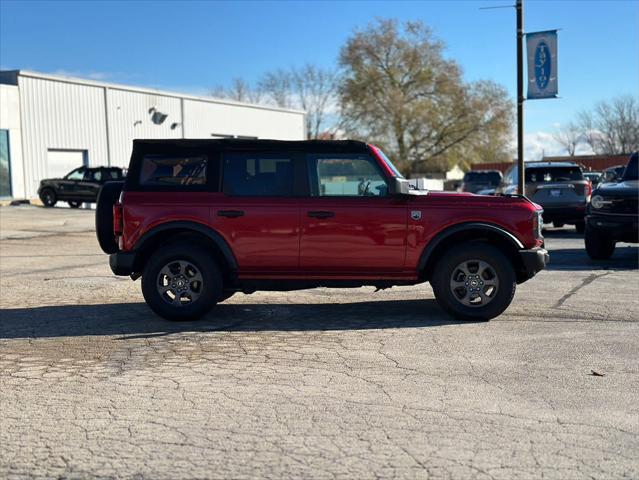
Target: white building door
61,162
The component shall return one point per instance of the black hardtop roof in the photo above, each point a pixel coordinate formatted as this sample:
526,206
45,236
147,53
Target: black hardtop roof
345,146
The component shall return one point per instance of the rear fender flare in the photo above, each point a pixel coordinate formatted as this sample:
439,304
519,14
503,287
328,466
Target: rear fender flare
186,226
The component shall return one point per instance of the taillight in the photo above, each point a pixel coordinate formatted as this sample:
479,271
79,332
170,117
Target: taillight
117,219
588,190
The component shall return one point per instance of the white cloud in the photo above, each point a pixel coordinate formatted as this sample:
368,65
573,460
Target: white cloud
539,144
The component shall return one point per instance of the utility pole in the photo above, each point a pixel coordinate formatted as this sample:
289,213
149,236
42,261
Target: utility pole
520,98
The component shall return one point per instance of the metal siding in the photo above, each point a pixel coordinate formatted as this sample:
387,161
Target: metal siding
59,115
126,108
206,118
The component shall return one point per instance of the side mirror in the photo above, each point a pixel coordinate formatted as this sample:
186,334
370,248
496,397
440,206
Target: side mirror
399,186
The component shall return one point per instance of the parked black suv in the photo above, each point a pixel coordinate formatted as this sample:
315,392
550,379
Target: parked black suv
478,180
613,213
78,186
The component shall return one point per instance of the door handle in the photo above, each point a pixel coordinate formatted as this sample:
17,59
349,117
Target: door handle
230,213
321,214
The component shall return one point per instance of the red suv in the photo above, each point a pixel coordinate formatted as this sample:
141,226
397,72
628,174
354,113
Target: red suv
199,220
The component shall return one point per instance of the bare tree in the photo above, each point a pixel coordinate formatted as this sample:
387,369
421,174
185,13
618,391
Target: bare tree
569,137
240,91
315,91
399,90
612,127
277,87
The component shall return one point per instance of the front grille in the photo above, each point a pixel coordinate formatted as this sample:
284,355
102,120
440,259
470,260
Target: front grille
625,205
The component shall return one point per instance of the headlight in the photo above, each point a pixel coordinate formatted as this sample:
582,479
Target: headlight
599,202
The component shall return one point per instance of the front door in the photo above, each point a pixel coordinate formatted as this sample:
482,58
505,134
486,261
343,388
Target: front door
259,214
350,226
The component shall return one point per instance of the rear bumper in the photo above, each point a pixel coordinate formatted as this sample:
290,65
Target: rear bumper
533,261
121,263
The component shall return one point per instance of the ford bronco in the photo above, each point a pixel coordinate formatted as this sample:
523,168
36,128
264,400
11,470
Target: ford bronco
199,220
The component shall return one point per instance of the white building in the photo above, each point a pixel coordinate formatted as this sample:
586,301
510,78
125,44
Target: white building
50,124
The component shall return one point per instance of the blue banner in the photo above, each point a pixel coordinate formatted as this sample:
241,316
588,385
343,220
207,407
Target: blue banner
542,64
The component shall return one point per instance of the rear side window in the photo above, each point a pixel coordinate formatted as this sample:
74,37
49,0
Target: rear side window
166,170
553,174
255,174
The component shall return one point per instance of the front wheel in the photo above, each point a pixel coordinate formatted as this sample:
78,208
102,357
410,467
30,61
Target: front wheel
48,197
474,281
181,282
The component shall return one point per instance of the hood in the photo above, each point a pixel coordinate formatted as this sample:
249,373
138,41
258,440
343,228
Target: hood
629,188
476,201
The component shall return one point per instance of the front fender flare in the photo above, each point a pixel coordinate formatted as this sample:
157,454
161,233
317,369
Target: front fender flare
441,237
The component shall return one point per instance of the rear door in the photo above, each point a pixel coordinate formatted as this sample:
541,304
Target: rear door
259,212
350,225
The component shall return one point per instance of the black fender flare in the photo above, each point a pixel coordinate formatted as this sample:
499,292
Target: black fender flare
437,240
201,228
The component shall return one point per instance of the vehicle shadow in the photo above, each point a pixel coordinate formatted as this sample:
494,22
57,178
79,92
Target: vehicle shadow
626,257
135,320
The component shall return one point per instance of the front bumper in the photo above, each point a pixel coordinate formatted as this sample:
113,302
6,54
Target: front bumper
121,263
618,227
533,261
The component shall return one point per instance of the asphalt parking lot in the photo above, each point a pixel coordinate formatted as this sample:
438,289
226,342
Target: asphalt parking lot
315,384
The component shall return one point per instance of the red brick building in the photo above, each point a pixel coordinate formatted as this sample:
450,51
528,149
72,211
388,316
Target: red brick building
590,163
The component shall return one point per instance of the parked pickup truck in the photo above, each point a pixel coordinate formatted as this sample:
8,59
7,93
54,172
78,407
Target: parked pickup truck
199,220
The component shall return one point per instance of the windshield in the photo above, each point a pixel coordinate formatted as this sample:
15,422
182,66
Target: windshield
632,169
389,163
553,174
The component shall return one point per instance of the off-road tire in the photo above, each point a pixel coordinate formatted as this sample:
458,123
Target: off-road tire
598,246
107,197
211,287
580,227
446,266
74,203
48,197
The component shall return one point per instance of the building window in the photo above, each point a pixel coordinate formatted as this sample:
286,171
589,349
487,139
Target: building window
248,174
5,165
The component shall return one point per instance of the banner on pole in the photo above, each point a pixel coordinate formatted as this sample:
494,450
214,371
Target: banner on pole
542,64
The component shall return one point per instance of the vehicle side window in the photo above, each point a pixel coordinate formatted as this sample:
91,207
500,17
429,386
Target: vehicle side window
97,175
255,174
167,170
113,174
77,174
352,175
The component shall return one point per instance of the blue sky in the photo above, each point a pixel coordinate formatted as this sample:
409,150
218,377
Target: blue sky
195,45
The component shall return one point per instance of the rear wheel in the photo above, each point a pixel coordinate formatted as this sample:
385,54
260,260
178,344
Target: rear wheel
74,204
48,197
474,281
580,227
598,246
557,224
181,282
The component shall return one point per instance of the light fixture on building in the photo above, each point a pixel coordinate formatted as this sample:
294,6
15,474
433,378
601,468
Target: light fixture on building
157,117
